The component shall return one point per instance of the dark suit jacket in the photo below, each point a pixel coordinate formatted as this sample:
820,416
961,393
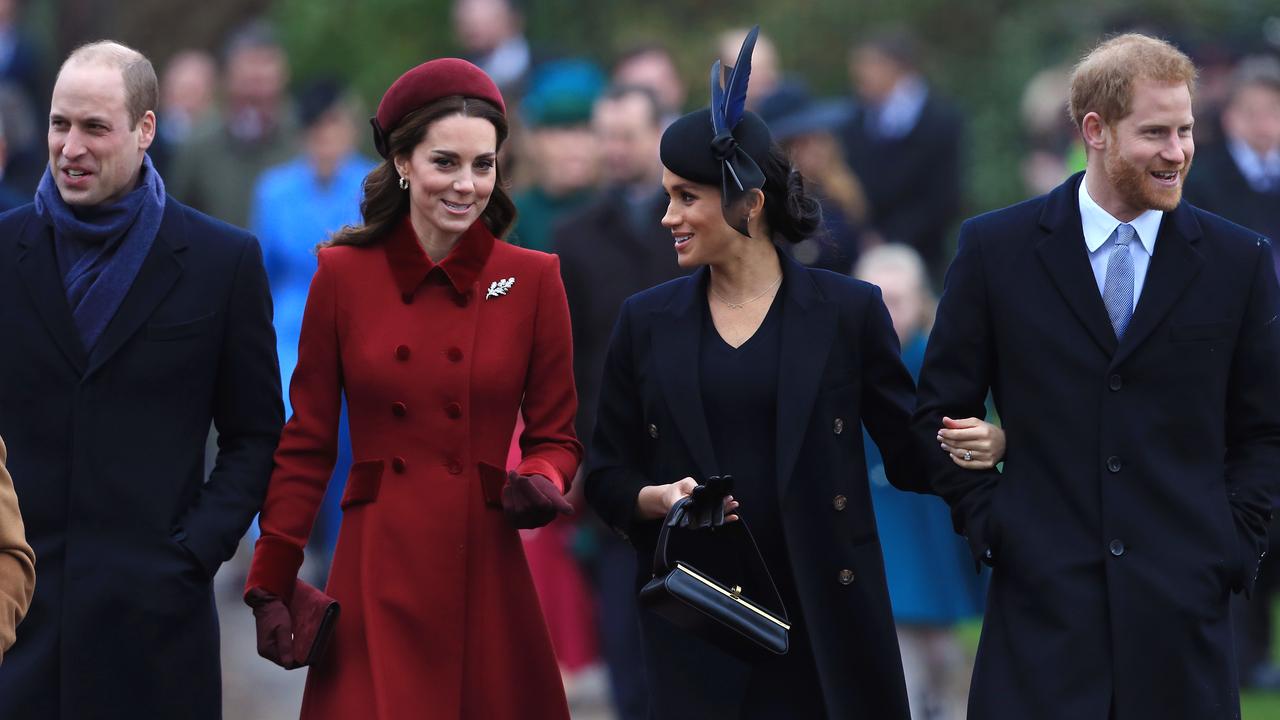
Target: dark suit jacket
839,365
604,260
1218,186
913,183
1136,489
108,457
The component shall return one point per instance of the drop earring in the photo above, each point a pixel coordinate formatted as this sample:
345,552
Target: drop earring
404,183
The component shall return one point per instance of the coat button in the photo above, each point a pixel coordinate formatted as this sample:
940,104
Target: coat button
1114,464
454,354
653,431
839,502
398,464
837,427
460,300
399,409
846,577
1117,548
406,298
453,410
402,353
1115,382
455,467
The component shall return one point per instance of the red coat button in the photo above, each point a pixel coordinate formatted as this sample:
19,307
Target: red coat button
402,353
398,464
453,410
406,298
460,300
454,354
455,467
399,409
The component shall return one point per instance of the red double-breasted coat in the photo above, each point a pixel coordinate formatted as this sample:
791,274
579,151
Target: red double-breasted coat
439,616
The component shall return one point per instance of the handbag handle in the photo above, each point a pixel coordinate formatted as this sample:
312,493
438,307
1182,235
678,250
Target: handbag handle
662,565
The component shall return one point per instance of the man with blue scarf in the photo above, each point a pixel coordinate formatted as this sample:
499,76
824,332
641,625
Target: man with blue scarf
130,323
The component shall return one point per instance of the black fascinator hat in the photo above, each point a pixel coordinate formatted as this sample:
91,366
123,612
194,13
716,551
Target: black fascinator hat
725,144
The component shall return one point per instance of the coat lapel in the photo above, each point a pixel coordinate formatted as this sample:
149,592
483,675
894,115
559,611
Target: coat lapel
159,271
38,268
808,329
1174,265
677,333
1066,259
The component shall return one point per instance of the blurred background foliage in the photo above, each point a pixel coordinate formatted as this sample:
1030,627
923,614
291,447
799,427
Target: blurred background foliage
979,52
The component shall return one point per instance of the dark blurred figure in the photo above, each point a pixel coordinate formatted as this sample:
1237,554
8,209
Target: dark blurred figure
257,130
652,65
187,87
806,129
611,249
491,34
9,198
1054,149
1239,179
559,146
766,67
904,142
24,82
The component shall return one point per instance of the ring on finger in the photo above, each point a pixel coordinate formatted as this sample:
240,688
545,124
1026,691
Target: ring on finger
968,456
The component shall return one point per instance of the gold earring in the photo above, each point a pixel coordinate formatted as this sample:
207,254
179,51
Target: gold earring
404,183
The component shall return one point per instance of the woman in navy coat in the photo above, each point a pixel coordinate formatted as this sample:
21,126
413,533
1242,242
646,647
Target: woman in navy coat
757,367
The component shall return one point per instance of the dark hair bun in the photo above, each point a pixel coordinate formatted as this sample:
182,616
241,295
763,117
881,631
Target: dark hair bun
790,210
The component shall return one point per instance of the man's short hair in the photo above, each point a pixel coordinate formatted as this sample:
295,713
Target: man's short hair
614,93
141,89
1103,80
1255,71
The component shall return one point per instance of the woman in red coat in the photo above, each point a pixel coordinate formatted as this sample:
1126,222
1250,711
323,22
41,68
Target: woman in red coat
438,334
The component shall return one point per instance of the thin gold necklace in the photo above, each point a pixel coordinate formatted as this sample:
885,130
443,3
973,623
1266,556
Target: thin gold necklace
739,305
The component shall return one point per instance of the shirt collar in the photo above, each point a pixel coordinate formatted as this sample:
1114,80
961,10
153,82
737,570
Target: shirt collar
410,265
1257,169
898,115
1098,224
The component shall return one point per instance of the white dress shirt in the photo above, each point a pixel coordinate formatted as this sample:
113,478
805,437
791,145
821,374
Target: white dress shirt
1098,224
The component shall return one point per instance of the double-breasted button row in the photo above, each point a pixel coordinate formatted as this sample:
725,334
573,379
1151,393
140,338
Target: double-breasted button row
845,577
1116,547
1115,382
454,354
1114,463
839,502
460,300
453,410
398,465
837,427
402,352
399,409
406,298
454,466
653,431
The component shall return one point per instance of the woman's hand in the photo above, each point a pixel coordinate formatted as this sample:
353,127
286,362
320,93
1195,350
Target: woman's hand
655,501
972,443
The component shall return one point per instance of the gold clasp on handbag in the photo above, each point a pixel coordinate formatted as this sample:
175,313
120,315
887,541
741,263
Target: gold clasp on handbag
736,592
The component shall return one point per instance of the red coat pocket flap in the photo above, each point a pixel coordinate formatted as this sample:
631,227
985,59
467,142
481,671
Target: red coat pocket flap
362,483
492,478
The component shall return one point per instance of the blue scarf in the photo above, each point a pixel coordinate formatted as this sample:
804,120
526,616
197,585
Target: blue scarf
101,248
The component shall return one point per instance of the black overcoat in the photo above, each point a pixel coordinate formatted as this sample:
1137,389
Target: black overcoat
1136,490
839,364
107,453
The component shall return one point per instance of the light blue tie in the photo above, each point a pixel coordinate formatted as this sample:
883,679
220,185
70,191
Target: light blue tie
1117,288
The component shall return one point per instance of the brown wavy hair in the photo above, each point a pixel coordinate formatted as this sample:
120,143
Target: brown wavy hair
385,204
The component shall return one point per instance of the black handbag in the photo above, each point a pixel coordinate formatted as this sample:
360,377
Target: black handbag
714,611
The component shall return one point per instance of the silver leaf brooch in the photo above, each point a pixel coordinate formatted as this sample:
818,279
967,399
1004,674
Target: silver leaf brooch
498,288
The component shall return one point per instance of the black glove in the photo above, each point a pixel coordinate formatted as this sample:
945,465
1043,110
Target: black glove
706,503
275,627
531,501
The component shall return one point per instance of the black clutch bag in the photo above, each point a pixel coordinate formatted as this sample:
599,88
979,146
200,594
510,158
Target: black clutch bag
717,612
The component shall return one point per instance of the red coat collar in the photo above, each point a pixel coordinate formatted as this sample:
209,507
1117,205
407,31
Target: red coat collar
410,264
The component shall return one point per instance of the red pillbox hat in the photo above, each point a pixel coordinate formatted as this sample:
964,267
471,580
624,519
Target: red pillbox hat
425,84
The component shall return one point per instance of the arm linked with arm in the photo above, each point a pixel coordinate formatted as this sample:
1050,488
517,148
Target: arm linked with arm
17,561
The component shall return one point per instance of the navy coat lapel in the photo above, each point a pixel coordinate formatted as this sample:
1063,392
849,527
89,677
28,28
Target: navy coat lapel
157,276
677,333
1174,265
808,329
38,268
1066,259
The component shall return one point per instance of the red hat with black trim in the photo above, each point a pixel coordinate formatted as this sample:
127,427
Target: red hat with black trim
425,84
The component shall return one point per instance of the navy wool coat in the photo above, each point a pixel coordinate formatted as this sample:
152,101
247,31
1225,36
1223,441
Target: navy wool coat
107,454
1136,489
839,365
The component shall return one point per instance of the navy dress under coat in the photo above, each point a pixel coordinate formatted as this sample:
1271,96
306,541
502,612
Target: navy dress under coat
838,365
107,451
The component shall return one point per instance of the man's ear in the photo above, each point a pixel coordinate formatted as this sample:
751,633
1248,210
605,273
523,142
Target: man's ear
147,124
1094,131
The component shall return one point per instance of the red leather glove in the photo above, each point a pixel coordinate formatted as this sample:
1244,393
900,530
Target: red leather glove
531,501
275,627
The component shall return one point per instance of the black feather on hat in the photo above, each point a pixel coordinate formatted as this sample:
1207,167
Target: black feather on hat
725,144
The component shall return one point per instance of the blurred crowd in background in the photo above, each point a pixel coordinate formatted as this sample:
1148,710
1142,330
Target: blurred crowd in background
245,139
